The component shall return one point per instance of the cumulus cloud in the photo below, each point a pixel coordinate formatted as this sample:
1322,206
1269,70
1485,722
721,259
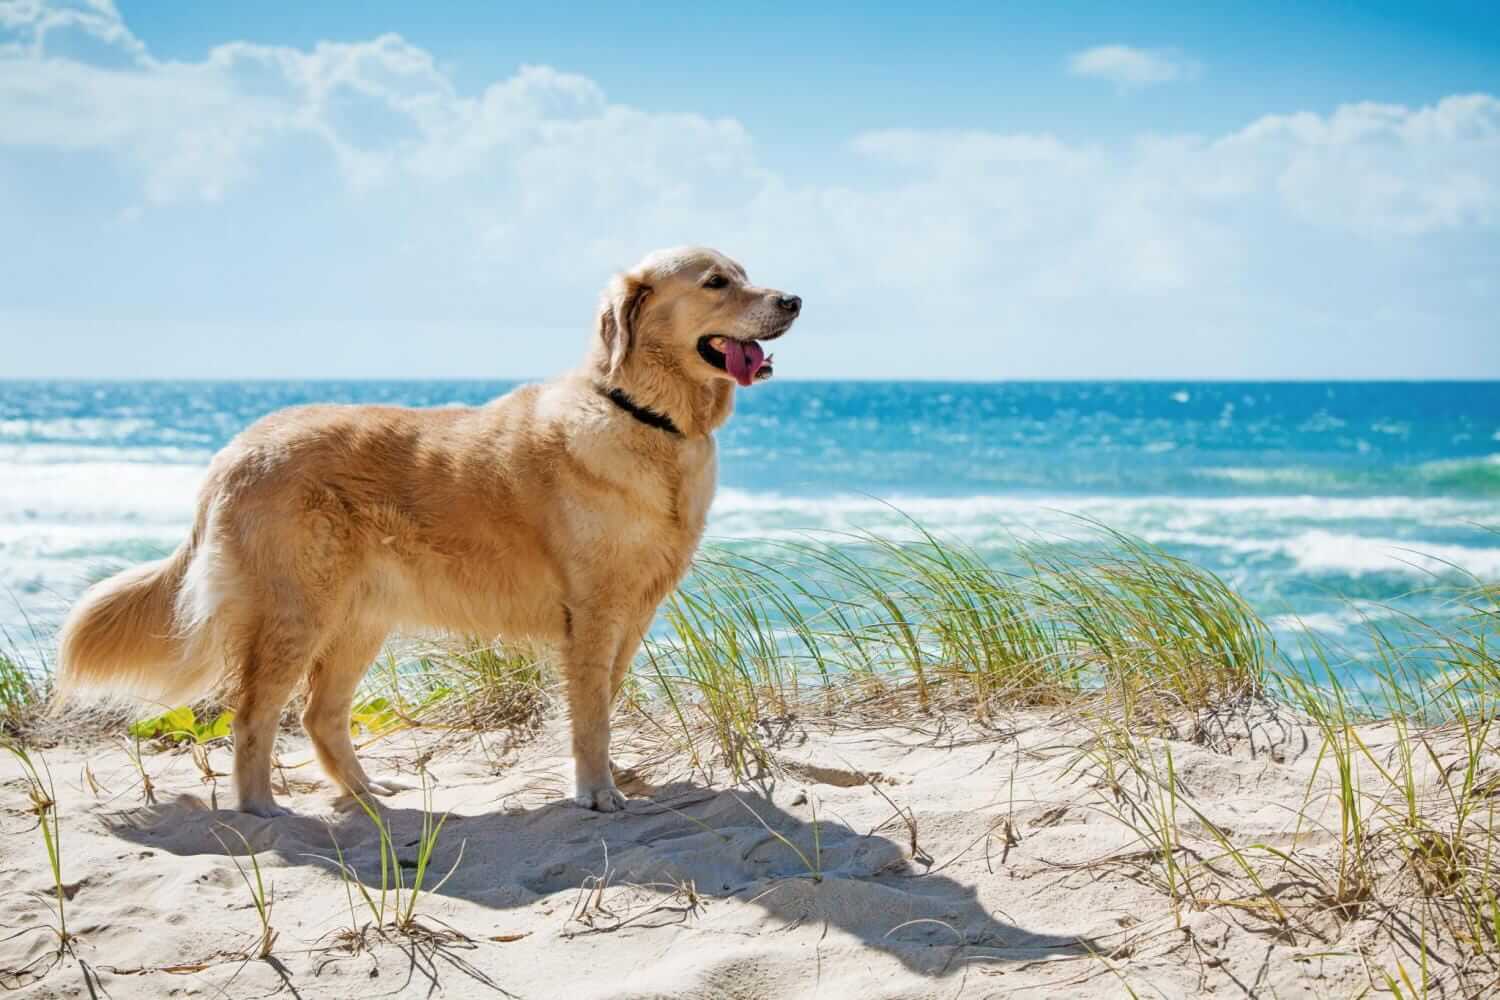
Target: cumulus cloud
1380,168
1130,68
541,174
384,113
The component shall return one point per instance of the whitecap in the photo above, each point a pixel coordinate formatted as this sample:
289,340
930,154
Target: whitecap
100,429
1357,555
109,491
1325,622
1111,509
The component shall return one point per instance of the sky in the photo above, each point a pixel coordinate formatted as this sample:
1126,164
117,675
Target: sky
986,191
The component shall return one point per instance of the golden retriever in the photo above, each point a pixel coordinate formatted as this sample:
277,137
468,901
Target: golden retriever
562,512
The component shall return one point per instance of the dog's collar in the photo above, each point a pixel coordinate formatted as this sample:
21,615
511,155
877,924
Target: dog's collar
645,415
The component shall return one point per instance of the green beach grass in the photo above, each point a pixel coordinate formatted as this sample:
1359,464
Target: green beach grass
1139,647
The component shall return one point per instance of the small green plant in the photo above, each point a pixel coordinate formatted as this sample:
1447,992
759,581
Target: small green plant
1400,983
375,716
200,756
354,936
43,798
458,683
263,896
1142,793
148,787
181,724
394,905
22,693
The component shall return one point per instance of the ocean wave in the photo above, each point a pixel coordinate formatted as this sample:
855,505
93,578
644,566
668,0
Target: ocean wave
1354,535
87,454
44,566
1314,537
1479,476
845,506
98,491
1319,552
1357,555
100,429
62,522
1299,476
85,540
1322,622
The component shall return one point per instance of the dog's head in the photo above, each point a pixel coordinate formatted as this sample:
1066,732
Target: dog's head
693,313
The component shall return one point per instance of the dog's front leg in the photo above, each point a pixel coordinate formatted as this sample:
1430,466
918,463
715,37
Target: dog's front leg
587,665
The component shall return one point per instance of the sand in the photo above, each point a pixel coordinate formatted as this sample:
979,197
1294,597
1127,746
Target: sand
1017,881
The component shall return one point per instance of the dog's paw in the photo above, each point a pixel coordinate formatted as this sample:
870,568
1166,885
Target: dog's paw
265,809
607,799
385,786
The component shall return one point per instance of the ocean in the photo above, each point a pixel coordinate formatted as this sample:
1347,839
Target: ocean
1325,504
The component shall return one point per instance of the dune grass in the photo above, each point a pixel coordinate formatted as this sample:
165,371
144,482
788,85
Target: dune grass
393,905
262,894
1134,643
751,640
42,795
23,693
1131,642
456,683
1417,810
748,639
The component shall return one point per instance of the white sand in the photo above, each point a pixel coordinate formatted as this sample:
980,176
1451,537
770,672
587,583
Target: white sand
160,910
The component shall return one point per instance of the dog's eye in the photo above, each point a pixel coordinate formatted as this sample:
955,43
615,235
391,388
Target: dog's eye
716,281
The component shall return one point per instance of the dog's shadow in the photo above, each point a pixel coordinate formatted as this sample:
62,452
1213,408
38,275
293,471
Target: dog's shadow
648,864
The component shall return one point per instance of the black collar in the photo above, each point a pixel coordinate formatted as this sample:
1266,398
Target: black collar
645,415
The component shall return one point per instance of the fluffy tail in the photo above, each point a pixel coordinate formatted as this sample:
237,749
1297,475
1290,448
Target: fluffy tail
124,637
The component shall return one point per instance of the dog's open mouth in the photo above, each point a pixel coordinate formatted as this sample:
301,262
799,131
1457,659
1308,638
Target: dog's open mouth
745,360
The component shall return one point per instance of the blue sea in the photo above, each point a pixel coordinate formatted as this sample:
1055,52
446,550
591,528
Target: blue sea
1323,503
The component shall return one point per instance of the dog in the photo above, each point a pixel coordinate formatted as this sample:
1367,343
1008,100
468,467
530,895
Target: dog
562,512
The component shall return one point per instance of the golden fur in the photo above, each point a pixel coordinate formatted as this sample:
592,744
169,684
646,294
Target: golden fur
550,513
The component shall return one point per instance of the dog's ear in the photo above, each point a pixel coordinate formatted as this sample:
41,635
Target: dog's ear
619,312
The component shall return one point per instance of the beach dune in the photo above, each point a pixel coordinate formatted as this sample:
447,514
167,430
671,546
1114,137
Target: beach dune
931,858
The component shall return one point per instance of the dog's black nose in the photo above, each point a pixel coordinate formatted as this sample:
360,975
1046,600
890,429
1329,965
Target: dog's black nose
791,303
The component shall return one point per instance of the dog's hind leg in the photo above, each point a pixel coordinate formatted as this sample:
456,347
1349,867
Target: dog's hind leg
335,676
274,657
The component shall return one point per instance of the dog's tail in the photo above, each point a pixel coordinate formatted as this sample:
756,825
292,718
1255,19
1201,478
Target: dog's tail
127,636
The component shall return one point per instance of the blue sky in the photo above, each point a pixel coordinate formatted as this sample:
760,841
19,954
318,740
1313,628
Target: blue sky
977,191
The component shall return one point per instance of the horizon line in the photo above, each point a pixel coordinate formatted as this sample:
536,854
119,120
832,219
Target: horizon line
929,379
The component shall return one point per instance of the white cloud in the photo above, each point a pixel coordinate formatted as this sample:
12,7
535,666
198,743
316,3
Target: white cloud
1380,169
43,29
542,175
543,140
1131,68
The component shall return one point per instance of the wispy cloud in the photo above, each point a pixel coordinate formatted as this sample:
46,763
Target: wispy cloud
1130,68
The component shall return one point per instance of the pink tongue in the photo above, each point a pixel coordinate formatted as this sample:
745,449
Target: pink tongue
743,358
